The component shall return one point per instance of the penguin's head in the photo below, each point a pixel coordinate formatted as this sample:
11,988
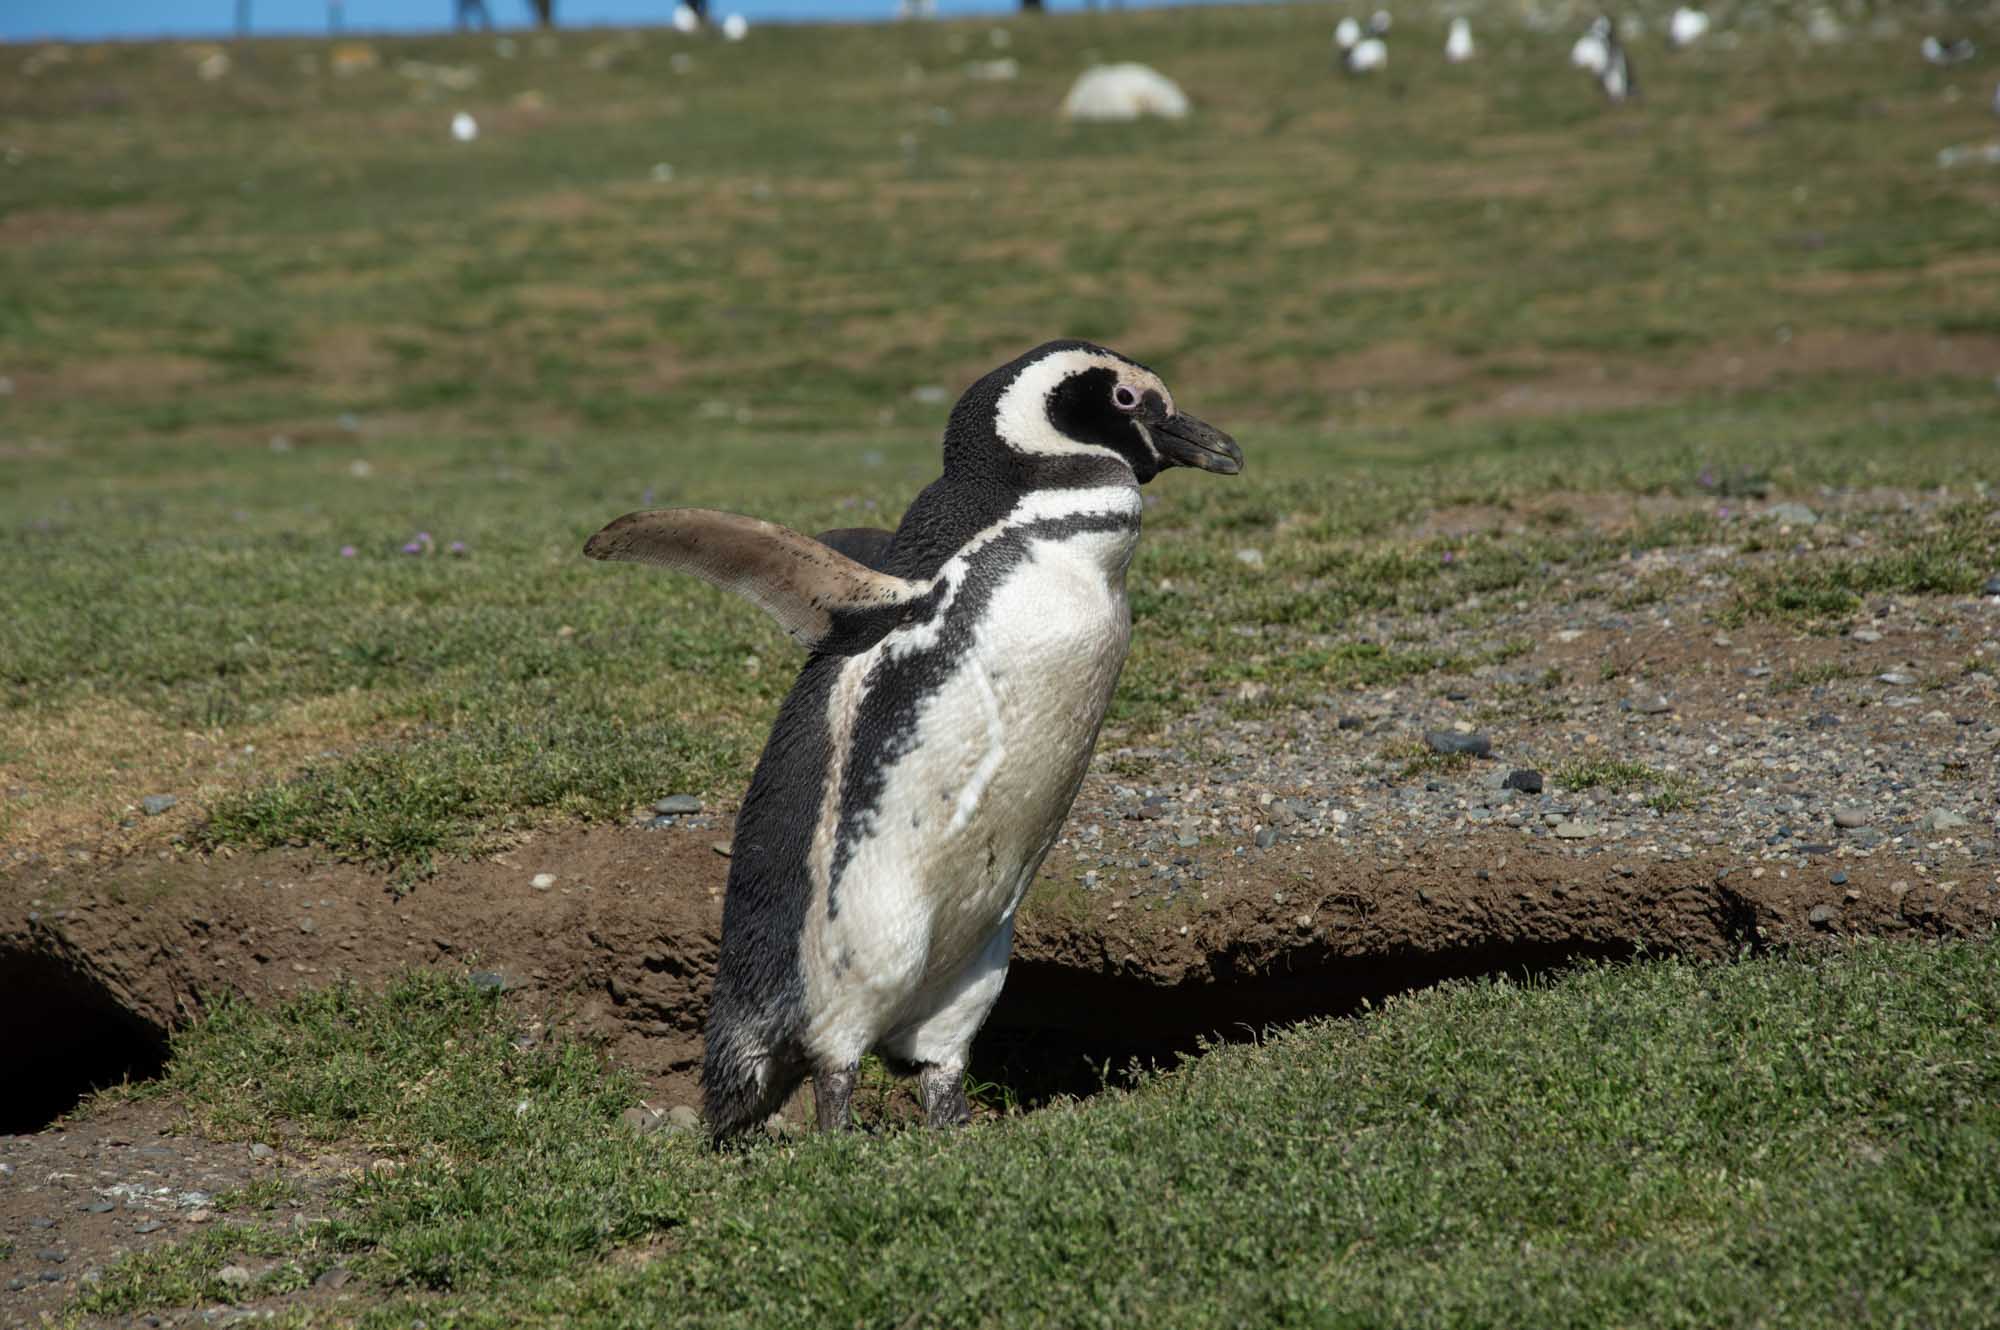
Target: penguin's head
1076,399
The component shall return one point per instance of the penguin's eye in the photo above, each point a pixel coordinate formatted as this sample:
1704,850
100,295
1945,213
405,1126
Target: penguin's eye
1125,398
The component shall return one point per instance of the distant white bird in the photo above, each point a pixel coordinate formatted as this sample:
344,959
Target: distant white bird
464,128
735,28
1367,55
1378,22
685,19
1687,27
1948,53
1458,47
1346,33
1593,50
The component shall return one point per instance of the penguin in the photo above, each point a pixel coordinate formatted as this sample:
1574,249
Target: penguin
1947,52
1618,78
925,759
1458,47
1688,26
1593,50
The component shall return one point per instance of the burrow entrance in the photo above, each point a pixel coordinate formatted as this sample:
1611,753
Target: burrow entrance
1060,1031
64,1035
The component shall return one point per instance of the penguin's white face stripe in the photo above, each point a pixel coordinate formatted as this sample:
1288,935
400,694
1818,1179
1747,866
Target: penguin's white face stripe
1022,418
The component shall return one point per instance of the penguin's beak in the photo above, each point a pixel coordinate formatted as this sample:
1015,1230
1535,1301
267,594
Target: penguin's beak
1184,440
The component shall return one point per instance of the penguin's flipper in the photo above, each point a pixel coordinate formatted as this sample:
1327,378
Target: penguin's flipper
864,544
822,598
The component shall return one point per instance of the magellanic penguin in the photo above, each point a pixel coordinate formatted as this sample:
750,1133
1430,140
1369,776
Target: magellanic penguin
926,758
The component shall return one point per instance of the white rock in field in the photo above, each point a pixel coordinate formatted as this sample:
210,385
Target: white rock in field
1458,47
1124,92
1687,27
735,28
685,19
464,128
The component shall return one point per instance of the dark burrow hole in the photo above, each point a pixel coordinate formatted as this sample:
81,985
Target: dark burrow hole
1059,1031
62,1036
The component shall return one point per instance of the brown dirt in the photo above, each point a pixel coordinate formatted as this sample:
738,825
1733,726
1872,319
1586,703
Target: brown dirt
624,943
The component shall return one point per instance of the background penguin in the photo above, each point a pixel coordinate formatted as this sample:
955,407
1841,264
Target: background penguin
926,758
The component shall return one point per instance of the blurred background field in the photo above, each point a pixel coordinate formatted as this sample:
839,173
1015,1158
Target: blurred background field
264,329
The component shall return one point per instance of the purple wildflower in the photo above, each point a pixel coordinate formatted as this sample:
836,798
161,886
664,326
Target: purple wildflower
348,551
456,547
1450,557
413,548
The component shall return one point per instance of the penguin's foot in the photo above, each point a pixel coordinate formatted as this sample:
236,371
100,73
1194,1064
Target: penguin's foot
831,1092
944,1095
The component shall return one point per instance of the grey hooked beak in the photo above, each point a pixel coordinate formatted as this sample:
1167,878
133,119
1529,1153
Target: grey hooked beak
1184,440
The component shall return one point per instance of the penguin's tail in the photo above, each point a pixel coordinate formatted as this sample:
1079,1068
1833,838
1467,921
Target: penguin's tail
744,1080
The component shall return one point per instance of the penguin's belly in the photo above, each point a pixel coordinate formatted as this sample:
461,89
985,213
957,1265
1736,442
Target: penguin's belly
966,815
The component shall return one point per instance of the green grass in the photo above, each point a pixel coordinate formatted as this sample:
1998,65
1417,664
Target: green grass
253,321
1792,1141
1671,791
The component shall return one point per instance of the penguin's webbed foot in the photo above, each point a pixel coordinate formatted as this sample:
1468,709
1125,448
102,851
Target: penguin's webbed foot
943,1090
832,1090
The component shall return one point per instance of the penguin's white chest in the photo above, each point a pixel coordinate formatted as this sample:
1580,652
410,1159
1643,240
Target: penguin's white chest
968,811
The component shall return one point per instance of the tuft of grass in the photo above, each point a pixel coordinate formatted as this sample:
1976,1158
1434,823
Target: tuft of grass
1671,790
1805,1138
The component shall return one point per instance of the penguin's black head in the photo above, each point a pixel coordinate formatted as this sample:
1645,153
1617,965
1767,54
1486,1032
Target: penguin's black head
1078,399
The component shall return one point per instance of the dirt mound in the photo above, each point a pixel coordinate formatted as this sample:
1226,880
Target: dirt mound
621,940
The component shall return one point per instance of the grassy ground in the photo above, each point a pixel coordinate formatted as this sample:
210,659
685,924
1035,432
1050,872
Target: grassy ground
1788,1142
251,322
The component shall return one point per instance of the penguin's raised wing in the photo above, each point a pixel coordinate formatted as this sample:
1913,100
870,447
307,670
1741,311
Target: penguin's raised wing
864,544
825,600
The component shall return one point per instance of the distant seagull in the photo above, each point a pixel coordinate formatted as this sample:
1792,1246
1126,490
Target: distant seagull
1458,47
1367,55
1593,50
464,128
1346,33
1378,22
1687,27
735,28
685,19
1948,53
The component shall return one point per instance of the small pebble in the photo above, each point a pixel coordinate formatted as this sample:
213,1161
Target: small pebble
1526,780
1838,878
1849,819
676,804
721,847
1992,587
262,1151
487,981
148,1226
1574,830
16,1284
1868,635
39,1222
52,1255
1351,722
155,804
1822,915
1899,678
683,1118
236,1276
1652,706
333,1278
542,881
100,1207
1266,837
